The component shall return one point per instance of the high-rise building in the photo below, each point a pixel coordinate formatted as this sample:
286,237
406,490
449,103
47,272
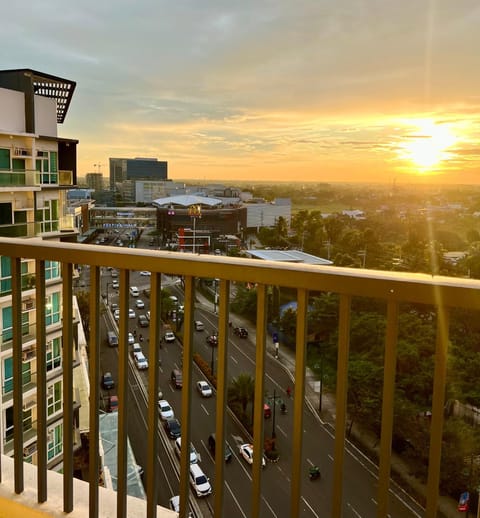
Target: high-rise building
124,172
36,169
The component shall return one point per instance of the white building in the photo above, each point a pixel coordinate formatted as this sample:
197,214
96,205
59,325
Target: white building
36,169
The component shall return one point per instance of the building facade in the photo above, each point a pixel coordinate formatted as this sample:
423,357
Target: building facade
36,169
94,181
124,172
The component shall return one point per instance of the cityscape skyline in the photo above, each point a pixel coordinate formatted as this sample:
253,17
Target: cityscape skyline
311,91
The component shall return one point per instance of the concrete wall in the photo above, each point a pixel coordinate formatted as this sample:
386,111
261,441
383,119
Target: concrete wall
12,108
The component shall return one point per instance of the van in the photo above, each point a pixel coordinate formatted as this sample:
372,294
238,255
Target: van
177,379
112,339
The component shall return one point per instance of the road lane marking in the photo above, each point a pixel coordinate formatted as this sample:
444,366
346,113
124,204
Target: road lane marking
330,457
376,503
269,506
233,359
281,430
206,411
353,510
235,499
310,507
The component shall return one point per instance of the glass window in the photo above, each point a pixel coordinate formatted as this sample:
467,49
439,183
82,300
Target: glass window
53,161
5,159
54,354
55,439
54,399
52,269
52,309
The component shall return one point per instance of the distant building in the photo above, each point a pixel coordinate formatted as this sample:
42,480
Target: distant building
262,214
147,190
94,181
130,170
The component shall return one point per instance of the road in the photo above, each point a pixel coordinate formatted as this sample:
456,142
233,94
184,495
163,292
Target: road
359,479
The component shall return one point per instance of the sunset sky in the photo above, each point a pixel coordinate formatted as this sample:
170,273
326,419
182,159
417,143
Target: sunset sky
267,90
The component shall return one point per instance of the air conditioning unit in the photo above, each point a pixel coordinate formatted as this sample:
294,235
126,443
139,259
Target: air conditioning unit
28,355
29,404
30,449
28,304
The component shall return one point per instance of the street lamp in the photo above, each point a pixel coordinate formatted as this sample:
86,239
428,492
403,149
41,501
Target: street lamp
274,398
213,358
194,211
215,295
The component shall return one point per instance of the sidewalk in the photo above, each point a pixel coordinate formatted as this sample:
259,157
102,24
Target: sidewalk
447,507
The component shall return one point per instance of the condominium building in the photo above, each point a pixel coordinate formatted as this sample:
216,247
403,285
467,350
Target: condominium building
36,169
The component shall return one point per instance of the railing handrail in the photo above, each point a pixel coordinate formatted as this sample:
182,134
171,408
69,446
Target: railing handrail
392,286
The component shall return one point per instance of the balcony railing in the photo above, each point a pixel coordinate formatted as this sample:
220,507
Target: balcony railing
28,177
392,288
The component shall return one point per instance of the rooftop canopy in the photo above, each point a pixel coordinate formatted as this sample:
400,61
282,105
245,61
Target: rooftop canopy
186,200
45,85
290,256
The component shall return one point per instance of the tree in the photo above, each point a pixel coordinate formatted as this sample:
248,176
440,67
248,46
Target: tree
245,301
240,395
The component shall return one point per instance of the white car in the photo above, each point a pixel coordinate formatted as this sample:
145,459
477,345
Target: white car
131,313
140,361
246,451
136,348
139,304
199,481
174,504
165,410
193,452
169,336
199,326
204,388
134,291
131,338
116,315
115,284
145,273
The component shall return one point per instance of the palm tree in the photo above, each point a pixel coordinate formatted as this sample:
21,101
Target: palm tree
241,391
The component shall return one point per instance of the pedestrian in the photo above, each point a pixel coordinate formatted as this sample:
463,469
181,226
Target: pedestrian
140,337
289,391
135,333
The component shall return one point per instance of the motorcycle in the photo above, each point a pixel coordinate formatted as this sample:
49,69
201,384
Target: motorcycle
283,408
314,473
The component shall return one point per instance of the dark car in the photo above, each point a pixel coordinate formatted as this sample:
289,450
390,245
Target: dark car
143,321
211,446
172,426
112,404
107,381
241,332
212,340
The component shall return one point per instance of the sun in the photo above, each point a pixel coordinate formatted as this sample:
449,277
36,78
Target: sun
428,146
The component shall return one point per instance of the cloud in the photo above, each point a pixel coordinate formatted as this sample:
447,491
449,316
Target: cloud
259,80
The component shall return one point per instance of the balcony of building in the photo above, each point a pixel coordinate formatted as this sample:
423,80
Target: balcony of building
29,490
14,178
